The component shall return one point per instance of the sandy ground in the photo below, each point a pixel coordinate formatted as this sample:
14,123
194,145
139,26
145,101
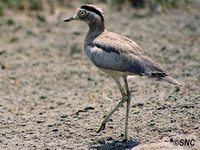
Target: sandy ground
53,97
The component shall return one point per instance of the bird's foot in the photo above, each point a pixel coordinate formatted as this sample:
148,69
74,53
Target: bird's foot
102,127
124,140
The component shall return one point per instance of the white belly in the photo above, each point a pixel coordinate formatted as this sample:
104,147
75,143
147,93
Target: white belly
114,73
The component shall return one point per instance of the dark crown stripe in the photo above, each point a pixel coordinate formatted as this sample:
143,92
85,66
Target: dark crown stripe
92,9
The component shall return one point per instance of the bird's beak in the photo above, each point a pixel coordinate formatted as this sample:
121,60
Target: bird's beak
70,18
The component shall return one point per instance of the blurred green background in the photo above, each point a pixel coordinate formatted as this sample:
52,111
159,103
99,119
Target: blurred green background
38,5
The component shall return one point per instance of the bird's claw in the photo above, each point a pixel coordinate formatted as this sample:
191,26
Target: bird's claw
124,140
102,127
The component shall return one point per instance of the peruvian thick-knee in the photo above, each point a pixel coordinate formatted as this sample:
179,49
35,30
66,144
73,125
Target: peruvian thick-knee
116,55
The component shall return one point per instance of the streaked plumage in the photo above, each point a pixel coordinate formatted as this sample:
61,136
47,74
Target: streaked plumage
116,55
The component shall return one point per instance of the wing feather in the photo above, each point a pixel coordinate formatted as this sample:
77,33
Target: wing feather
115,52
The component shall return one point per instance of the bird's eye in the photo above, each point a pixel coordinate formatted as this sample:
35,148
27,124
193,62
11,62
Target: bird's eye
82,13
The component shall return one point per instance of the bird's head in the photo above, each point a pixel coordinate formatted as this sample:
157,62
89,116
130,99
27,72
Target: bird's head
88,13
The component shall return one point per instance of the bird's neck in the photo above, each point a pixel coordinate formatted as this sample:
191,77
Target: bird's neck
95,29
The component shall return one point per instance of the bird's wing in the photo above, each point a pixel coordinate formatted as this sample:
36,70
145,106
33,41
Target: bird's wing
122,44
115,52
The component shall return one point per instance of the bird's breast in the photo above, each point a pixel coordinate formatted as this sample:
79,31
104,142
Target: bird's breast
101,57
108,61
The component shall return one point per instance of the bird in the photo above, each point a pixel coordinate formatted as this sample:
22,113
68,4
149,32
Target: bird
116,55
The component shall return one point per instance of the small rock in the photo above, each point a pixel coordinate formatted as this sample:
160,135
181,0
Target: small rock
161,107
40,113
54,130
60,103
22,125
89,108
43,97
3,67
51,107
140,104
177,89
151,123
77,113
188,106
90,79
136,112
163,48
40,121
64,116
173,120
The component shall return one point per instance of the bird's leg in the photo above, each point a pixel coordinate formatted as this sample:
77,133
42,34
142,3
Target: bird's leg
124,99
127,109
103,124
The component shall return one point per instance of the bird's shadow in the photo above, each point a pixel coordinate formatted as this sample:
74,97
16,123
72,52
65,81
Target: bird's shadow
114,145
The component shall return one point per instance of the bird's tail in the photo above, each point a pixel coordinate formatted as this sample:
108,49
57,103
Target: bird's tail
171,80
